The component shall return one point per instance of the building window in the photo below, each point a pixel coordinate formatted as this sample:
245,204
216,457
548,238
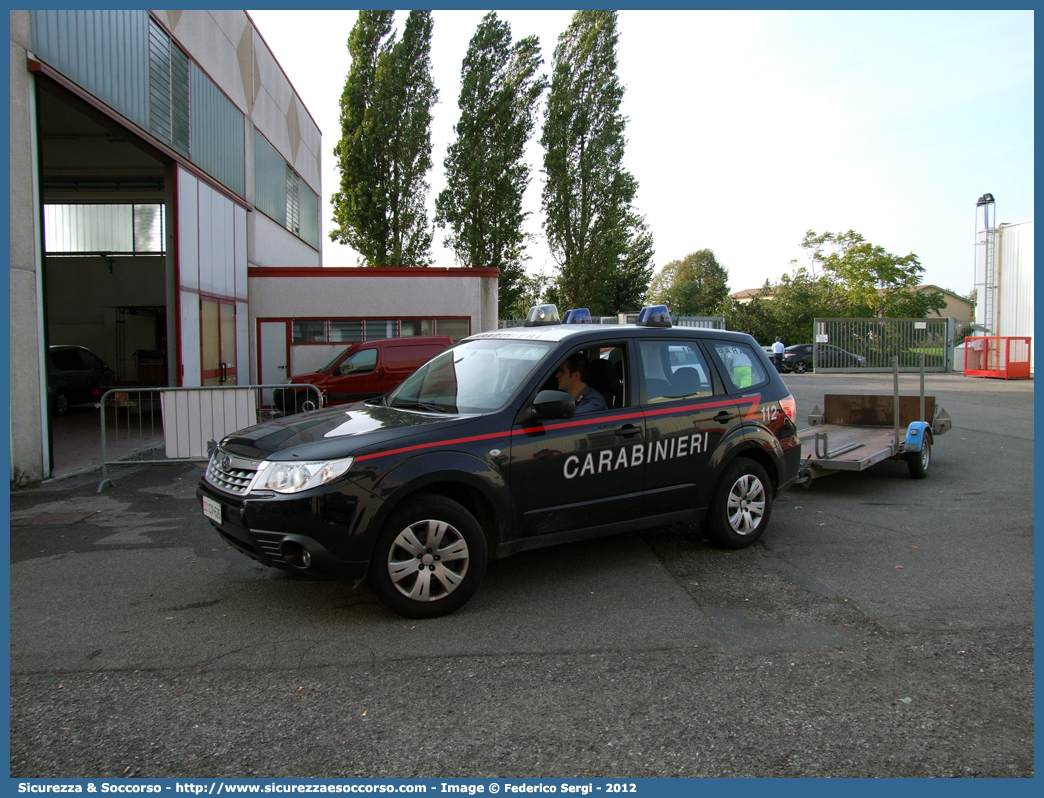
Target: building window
168,90
410,327
309,332
346,331
104,229
382,328
454,328
293,202
337,331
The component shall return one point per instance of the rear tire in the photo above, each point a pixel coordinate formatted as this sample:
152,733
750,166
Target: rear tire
918,462
741,507
429,559
801,367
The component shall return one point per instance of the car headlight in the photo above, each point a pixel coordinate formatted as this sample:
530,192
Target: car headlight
296,477
287,381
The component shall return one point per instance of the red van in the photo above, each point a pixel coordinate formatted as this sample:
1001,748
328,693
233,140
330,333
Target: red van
362,371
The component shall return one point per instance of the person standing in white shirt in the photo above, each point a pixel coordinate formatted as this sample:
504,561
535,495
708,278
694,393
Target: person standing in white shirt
777,354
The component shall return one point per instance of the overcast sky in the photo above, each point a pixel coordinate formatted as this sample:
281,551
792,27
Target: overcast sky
747,129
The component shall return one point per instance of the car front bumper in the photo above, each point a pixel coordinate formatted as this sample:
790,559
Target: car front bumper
322,533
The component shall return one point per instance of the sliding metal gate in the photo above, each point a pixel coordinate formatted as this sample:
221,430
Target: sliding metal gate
870,344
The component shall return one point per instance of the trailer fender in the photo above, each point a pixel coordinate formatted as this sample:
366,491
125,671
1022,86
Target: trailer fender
915,435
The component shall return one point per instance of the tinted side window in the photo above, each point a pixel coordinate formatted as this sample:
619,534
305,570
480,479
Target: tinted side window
606,372
741,367
66,360
361,362
673,370
90,360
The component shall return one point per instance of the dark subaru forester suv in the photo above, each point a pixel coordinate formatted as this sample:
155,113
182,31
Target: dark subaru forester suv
477,454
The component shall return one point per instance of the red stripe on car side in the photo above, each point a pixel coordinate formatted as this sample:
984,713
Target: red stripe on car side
564,425
753,408
433,443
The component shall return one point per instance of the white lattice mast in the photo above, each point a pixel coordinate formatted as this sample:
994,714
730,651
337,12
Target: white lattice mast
986,264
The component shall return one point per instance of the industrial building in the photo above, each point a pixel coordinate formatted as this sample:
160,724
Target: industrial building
166,214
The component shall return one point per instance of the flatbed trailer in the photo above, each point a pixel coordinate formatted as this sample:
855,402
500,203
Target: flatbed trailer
854,432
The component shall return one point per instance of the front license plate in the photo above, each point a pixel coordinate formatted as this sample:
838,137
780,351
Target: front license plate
212,509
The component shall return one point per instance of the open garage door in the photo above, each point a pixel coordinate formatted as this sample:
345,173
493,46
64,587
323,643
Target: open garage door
106,271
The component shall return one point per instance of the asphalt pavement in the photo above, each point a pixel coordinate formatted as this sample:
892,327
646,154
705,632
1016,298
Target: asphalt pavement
882,627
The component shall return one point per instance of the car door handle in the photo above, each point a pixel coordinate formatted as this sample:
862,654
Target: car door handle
724,417
628,430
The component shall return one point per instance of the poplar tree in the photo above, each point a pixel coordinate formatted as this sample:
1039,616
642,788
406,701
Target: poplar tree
486,174
384,153
602,246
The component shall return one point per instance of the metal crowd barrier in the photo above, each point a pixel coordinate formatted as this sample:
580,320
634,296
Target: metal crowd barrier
182,425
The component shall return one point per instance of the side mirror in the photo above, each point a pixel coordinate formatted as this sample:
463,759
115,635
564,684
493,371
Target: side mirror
553,404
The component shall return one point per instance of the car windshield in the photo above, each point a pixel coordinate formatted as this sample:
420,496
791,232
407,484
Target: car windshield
472,377
332,363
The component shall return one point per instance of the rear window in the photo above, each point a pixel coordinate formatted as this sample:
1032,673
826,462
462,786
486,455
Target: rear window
672,371
742,368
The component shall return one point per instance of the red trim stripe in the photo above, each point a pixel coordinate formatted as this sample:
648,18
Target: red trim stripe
564,425
753,408
450,442
365,271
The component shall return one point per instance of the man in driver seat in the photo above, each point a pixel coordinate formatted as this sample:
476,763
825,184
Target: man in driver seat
572,378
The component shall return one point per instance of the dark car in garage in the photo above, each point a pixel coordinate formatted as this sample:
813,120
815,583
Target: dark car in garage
798,358
75,376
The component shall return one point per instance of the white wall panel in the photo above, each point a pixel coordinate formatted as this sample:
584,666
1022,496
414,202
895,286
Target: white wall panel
241,252
1015,317
188,229
206,236
243,362
190,357
274,245
228,248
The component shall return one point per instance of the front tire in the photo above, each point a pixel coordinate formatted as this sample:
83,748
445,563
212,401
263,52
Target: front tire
918,462
61,403
741,507
308,401
429,559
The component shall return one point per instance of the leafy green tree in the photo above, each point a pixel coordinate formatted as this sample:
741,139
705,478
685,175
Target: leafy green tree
602,246
530,290
873,281
692,286
384,153
755,316
798,299
486,173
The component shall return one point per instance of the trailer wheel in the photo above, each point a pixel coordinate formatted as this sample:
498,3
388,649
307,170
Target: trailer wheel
741,506
918,462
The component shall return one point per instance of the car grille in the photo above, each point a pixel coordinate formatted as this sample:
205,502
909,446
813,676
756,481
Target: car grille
236,478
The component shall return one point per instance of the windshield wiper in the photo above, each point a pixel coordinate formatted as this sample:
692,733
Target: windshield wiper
420,406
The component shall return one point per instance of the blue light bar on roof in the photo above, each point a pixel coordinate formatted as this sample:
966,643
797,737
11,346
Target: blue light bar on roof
578,316
542,315
654,316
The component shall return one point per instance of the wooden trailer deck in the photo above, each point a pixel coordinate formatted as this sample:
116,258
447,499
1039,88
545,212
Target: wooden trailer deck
843,447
